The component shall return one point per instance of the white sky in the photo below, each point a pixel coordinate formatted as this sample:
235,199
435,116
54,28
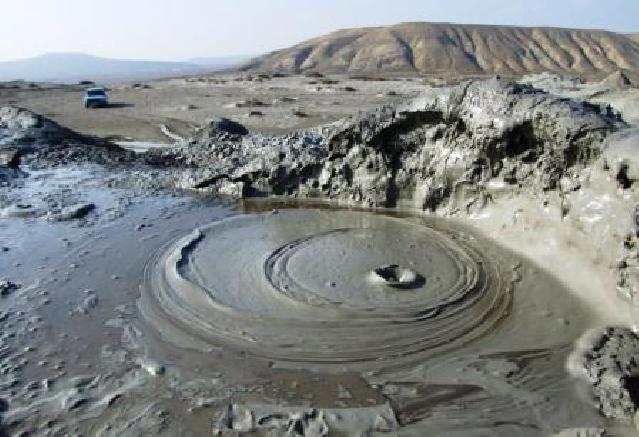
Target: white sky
182,29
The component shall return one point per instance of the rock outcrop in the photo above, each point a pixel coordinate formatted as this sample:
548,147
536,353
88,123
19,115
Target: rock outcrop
611,367
219,125
457,49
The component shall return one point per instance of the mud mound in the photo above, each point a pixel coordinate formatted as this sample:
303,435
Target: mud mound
448,152
52,144
22,128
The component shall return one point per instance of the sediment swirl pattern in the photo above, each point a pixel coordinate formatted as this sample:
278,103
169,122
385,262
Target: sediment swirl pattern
298,287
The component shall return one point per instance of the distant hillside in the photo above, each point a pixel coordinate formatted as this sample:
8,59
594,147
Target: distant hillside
634,37
441,48
72,67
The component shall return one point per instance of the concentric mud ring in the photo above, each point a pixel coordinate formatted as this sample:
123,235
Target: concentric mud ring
297,287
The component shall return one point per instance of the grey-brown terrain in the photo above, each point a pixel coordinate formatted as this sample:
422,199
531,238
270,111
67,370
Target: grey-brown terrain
458,50
139,110
364,257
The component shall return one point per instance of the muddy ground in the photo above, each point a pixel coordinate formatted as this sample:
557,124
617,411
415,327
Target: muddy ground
268,104
108,329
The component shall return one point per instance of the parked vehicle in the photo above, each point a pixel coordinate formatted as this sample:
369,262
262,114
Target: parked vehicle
95,97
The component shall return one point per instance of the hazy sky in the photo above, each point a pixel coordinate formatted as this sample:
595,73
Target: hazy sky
181,29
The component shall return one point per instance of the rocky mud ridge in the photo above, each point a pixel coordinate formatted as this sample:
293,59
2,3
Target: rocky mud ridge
455,152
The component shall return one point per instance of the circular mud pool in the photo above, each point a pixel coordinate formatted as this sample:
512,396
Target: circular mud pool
329,288
428,312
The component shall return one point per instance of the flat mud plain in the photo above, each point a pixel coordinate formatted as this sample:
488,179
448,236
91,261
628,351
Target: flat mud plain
168,313
271,105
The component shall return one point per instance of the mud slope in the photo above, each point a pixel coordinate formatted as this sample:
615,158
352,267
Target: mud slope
24,132
434,48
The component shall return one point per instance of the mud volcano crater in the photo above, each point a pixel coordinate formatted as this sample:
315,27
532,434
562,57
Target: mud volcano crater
308,287
397,276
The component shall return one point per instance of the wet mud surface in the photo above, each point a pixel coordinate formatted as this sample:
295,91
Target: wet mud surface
168,314
299,287
501,303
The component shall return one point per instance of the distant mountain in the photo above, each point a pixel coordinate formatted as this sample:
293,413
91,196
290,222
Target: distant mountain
73,67
221,61
457,49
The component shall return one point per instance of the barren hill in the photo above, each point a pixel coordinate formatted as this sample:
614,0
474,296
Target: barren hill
437,48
